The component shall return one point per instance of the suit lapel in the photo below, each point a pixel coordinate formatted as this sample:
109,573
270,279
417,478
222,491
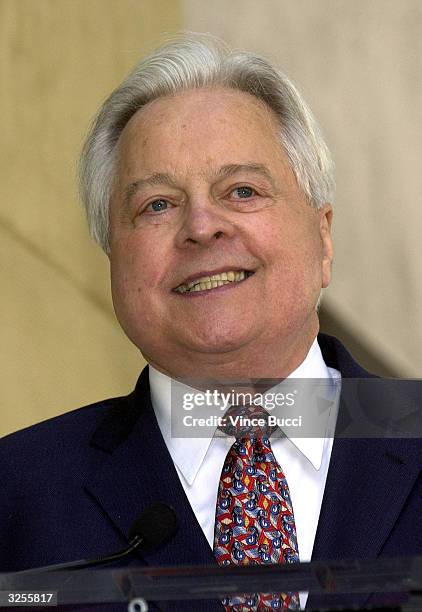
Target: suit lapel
139,471
367,485
368,480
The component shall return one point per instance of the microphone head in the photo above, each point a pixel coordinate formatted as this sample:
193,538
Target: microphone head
155,525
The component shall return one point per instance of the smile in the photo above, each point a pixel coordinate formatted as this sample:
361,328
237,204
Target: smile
207,283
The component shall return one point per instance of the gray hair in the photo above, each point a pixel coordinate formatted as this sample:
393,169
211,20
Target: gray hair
197,61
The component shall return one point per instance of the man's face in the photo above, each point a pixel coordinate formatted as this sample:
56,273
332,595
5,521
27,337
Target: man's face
204,187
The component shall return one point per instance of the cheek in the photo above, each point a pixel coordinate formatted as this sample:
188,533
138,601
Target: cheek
133,278
137,262
296,269
132,303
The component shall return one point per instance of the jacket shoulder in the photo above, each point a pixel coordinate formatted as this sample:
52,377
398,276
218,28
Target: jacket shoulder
52,454
337,356
78,423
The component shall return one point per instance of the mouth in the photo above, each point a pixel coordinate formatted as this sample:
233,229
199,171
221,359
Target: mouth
213,281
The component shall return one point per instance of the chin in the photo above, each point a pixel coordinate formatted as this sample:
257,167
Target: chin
219,339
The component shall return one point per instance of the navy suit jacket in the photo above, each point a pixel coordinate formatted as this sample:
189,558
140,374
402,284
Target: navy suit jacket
72,486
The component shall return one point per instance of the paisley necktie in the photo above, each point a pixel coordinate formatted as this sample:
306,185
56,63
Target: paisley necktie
254,520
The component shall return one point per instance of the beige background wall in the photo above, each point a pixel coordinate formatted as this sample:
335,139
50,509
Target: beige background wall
61,346
359,65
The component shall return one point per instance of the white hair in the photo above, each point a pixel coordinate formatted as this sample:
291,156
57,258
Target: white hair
196,61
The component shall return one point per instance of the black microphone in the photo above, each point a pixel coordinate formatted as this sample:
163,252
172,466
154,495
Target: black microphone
153,527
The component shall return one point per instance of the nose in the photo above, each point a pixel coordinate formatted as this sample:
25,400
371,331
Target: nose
203,224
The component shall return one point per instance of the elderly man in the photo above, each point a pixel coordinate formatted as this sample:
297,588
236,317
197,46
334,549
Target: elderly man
208,184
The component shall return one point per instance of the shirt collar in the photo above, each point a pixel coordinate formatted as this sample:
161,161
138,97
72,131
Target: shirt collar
189,453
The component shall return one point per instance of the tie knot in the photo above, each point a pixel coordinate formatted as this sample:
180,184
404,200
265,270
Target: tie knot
253,450
246,422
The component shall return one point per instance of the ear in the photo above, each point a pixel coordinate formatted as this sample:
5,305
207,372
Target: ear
325,219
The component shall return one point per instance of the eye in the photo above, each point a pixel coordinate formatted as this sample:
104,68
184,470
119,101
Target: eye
244,192
157,206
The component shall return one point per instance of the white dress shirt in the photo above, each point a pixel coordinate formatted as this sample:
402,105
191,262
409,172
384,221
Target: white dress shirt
304,461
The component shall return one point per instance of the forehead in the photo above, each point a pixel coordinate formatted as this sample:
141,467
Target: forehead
205,126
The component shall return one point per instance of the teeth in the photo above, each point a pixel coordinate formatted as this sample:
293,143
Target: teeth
211,282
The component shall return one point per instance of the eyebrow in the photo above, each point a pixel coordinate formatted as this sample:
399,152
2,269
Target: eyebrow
158,178
162,178
231,169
